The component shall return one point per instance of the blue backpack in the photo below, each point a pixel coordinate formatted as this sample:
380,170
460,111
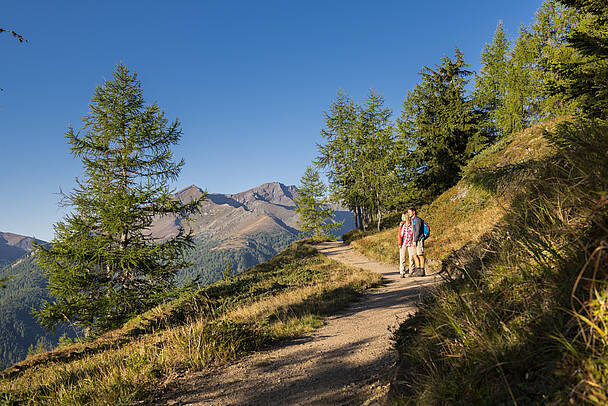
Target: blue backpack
426,230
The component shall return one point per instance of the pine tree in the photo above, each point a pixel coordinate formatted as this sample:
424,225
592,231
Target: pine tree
512,84
585,81
103,264
550,29
315,215
526,100
439,130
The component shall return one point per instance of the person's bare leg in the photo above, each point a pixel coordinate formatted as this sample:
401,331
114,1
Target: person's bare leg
421,259
417,261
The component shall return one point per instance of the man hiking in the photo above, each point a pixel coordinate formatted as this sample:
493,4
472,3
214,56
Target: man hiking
418,242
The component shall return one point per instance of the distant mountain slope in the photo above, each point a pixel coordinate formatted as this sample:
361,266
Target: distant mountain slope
265,208
239,230
14,246
26,289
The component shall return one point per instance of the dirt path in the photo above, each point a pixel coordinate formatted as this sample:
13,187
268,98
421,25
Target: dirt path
345,362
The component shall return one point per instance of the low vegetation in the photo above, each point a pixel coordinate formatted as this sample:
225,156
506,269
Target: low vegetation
526,324
281,298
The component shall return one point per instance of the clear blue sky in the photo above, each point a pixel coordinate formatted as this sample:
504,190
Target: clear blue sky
248,80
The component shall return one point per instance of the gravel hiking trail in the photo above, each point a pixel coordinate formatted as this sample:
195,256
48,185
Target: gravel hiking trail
348,361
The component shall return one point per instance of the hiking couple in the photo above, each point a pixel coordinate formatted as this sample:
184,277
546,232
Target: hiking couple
411,243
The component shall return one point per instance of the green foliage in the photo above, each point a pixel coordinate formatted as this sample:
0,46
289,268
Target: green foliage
584,80
315,214
360,157
513,80
227,271
491,83
103,265
439,130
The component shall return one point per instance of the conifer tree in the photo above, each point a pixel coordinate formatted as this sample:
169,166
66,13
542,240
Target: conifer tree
360,158
439,130
340,156
512,83
378,157
585,81
550,29
526,100
315,214
491,81
103,264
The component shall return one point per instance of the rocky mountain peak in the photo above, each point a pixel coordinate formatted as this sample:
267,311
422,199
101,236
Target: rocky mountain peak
190,193
271,192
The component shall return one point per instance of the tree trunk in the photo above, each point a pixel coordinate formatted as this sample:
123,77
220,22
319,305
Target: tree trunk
379,218
364,218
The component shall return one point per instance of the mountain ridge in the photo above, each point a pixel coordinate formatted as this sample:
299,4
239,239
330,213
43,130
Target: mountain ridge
14,246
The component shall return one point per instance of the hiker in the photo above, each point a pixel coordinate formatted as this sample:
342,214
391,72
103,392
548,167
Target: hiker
418,242
406,244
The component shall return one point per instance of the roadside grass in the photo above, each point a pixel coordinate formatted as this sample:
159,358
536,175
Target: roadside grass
279,299
466,212
527,321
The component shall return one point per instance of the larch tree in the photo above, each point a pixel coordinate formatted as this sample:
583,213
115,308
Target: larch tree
491,81
340,155
525,99
379,161
104,265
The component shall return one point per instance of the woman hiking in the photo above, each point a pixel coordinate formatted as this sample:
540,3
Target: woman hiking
406,243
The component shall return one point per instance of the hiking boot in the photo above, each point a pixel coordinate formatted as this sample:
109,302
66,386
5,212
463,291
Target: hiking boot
418,272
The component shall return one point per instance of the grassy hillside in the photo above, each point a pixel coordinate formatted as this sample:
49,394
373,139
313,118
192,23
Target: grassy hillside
525,322
27,289
467,211
278,299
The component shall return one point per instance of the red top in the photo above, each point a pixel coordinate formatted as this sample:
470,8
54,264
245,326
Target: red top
406,235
